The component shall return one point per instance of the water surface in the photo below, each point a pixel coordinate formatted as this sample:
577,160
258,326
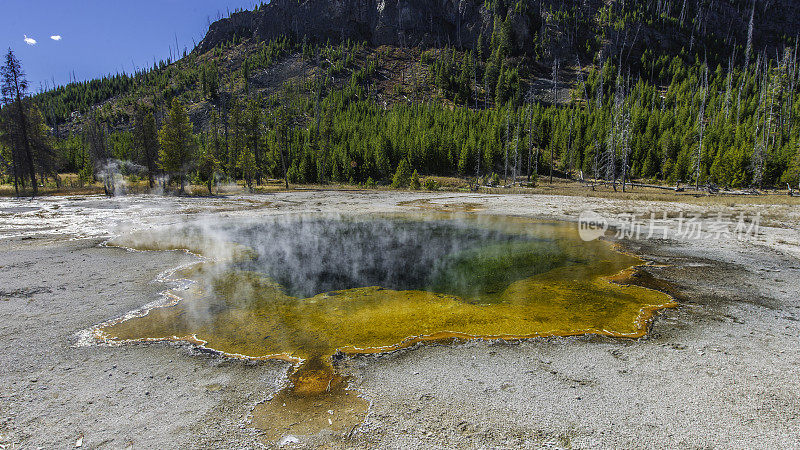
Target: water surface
303,287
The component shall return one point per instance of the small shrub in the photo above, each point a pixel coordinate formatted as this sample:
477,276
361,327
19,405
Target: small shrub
402,177
415,181
431,184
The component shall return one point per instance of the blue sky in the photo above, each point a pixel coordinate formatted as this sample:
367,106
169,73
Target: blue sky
101,37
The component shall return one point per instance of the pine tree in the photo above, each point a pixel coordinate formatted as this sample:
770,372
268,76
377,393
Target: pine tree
702,124
246,164
415,183
17,129
402,177
176,141
146,139
253,141
207,167
238,137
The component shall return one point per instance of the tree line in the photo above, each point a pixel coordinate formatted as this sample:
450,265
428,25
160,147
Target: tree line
718,119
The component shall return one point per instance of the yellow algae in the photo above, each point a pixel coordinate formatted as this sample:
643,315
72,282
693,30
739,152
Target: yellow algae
288,414
258,320
317,400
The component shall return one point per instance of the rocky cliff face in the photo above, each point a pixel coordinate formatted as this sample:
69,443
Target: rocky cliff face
424,23
435,23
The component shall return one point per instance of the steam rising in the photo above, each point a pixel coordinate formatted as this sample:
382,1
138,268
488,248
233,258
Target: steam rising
312,254
309,256
113,173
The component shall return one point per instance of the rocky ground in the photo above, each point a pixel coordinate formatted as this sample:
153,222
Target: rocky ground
720,370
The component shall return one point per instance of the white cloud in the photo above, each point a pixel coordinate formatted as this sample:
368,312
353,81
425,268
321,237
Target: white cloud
29,41
56,37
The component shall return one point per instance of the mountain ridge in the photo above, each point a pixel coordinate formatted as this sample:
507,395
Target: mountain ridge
459,24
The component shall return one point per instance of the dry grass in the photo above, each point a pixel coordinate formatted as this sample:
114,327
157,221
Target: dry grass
577,189
69,184
560,186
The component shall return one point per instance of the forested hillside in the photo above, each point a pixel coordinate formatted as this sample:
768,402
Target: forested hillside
698,92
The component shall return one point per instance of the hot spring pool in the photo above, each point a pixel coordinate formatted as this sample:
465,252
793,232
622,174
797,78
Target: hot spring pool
303,287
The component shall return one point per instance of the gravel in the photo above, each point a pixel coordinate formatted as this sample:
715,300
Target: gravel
720,370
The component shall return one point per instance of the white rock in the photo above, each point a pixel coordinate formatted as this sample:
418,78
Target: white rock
288,439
